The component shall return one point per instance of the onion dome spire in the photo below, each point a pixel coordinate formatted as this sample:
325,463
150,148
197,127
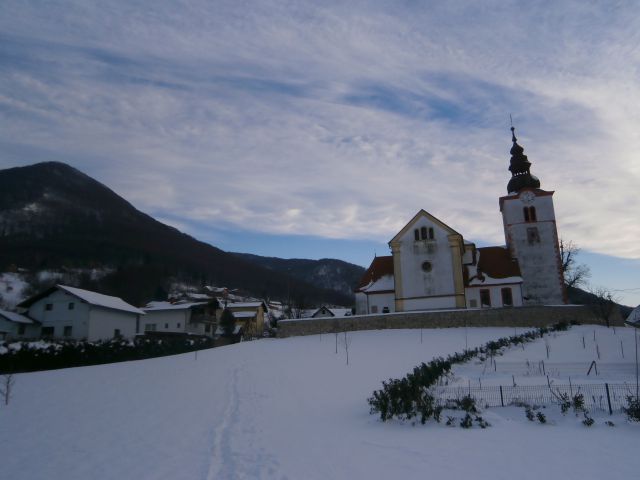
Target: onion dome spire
519,167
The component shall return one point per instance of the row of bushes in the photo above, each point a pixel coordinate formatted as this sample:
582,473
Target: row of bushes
409,397
31,357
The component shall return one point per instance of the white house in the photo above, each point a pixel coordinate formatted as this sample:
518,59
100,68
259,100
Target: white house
14,326
189,318
73,313
433,267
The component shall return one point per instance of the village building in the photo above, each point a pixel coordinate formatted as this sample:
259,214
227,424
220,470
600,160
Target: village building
14,326
182,318
249,316
330,312
433,267
76,314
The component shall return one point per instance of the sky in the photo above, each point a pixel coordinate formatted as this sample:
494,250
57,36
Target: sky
318,129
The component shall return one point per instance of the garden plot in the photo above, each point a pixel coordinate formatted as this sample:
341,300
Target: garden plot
582,354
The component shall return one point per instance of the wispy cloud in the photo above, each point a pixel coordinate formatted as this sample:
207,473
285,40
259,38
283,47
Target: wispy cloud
338,120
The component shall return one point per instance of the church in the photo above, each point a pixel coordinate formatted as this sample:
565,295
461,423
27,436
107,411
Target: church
433,266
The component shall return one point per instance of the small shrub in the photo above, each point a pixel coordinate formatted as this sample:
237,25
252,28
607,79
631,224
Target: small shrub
632,409
565,403
482,423
466,422
588,421
450,421
541,417
577,402
609,423
468,404
529,414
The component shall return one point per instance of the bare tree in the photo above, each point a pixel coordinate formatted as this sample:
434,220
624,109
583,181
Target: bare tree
603,304
6,387
347,343
575,274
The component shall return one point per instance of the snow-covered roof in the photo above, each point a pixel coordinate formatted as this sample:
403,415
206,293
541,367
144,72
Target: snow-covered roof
244,314
634,317
379,276
100,300
246,305
494,267
154,306
15,317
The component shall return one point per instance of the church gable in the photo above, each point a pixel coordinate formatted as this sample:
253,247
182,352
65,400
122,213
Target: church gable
423,226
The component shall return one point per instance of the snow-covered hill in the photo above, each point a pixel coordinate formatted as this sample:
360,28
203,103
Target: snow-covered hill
284,409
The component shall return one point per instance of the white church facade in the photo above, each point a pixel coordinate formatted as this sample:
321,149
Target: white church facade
433,267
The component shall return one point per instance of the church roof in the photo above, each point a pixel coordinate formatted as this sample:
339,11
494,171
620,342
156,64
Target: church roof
496,262
380,267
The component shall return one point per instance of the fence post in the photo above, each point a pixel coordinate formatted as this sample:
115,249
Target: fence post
608,398
502,397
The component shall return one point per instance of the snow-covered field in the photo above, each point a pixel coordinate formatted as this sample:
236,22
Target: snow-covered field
284,409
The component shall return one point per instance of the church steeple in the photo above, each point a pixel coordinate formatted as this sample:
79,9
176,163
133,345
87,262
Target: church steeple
519,168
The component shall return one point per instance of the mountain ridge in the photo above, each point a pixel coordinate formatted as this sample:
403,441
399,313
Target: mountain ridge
53,215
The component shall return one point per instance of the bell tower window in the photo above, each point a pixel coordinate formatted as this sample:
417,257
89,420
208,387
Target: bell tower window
529,214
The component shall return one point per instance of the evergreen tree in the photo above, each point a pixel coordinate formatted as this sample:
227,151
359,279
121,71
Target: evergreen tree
227,322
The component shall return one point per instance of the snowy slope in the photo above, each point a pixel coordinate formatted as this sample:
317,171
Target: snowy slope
281,409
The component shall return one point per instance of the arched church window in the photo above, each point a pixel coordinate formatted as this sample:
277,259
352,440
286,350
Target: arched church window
431,236
416,234
525,210
423,233
532,214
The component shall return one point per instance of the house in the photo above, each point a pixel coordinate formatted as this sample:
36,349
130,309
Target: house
14,326
188,318
73,313
432,266
250,315
324,312
633,320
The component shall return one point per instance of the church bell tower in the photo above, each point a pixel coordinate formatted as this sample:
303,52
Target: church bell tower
530,232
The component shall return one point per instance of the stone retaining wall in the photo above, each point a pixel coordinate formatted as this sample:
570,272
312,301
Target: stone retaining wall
491,317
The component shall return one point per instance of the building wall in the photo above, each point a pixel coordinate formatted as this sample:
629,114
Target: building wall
9,330
173,321
103,323
495,291
538,257
432,303
376,302
533,316
60,316
259,316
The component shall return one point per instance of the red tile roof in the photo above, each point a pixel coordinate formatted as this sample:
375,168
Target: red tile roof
496,262
380,267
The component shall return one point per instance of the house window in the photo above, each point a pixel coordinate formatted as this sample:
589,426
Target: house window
385,310
374,309
71,305
47,331
533,236
431,236
207,328
427,266
416,234
48,306
166,325
178,325
423,233
21,329
67,331
507,297
485,298
150,327
116,333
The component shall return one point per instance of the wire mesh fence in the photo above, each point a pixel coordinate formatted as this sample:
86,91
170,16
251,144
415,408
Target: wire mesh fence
605,397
